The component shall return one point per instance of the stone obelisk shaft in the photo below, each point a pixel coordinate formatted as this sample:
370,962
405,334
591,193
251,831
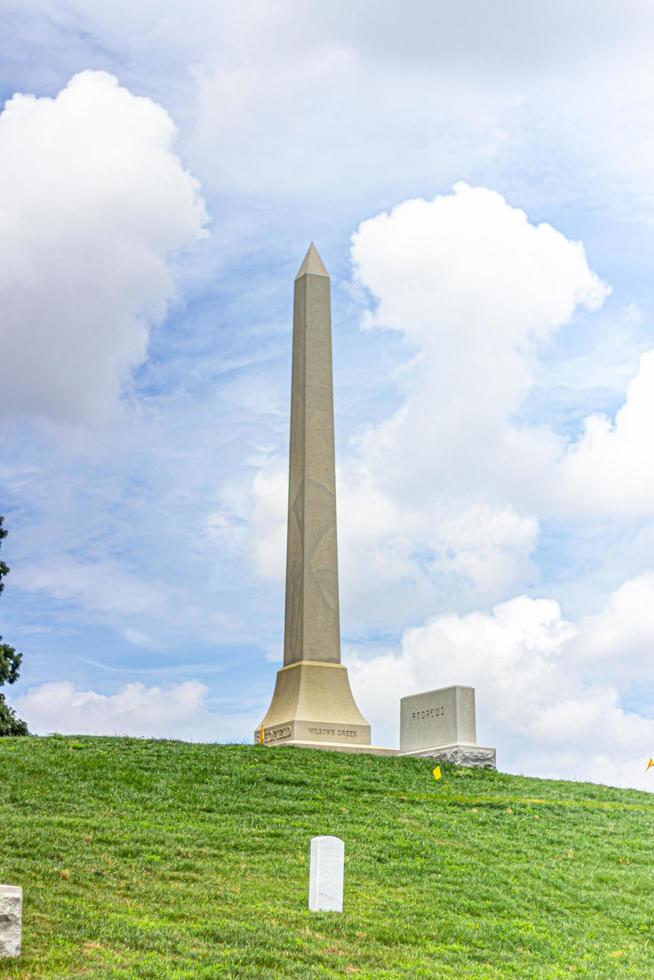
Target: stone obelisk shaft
312,630
312,704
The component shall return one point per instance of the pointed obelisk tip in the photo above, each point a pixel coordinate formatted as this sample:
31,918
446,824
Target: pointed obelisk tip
313,264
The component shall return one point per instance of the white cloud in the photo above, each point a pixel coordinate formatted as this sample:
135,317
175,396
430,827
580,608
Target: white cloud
93,202
475,288
149,611
477,291
438,504
268,517
292,79
142,640
175,711
554,101
556,104
488,548
618,641
610,469
545,709
469,262
104,586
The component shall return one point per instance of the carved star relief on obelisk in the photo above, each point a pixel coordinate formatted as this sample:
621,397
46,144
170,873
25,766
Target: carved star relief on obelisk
312,703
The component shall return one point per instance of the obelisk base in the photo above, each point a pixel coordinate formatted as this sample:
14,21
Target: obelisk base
472,756
313,707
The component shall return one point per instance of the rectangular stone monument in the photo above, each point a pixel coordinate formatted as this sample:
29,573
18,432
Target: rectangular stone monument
11,914
326,874
441,725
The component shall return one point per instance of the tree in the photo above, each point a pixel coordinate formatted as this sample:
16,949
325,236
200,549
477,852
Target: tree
10,662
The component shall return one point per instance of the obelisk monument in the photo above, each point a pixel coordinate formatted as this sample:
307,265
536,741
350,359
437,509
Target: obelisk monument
312,704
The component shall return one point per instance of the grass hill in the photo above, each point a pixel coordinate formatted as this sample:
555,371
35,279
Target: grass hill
168,860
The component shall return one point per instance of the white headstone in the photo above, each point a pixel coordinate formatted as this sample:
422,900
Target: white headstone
11,908
326,874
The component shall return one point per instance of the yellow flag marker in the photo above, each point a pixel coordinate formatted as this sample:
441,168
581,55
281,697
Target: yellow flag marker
437,772
262,740
650,764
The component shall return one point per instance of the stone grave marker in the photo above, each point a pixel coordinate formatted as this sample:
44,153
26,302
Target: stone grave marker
11,908
326,874
442,724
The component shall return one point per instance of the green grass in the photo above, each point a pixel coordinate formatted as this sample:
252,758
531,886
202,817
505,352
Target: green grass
165,860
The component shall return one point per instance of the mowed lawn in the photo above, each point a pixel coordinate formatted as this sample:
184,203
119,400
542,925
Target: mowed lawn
163,859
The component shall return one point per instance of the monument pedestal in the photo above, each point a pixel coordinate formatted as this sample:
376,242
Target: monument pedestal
441,725
313,706
478,756
342,747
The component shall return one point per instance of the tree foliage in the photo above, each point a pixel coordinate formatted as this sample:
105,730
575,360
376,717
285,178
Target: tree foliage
10,662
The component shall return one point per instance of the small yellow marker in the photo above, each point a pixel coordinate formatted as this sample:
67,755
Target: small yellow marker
650,764
437,772
262,740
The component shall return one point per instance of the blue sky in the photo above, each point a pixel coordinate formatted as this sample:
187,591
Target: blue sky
477,178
